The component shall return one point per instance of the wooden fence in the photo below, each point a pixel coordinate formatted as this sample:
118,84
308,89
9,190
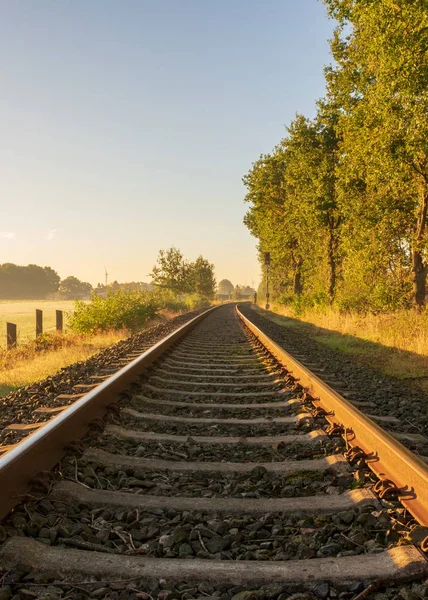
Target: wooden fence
11,328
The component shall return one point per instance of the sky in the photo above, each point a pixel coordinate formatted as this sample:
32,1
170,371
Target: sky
126,126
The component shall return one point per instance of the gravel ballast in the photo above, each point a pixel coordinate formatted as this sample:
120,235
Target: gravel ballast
390,396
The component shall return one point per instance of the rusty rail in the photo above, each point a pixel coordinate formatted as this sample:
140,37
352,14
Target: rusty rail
386,457
41,450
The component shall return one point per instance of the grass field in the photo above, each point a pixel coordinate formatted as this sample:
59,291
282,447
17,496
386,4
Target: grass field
23,314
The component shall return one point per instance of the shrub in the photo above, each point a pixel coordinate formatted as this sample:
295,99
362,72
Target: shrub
118,310
170,301
195,301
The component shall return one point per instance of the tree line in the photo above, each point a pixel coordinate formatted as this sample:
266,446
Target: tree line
33,282
341,201
226,289
172,272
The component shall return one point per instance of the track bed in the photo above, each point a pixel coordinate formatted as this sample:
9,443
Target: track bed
212,477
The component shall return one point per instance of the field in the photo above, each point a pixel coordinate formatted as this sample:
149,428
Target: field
23,313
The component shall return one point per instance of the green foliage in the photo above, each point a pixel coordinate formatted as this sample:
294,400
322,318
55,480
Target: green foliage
179,285
341,203
203,281
381,79
174,273
243,292
72,288
30,282
195,301
118,310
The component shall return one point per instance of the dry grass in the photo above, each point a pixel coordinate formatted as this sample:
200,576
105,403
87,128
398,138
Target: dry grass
37,359
394,343
405,330
26,366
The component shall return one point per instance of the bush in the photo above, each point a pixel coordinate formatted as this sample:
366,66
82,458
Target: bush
118,310
195,301
169,301
298,305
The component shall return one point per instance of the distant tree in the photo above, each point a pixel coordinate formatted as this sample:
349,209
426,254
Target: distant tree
237,292
72,288
30,282
203,278
172,272
246,290
132,286
225,287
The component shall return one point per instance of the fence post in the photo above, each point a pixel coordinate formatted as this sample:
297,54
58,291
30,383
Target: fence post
59,320
39,322
11,335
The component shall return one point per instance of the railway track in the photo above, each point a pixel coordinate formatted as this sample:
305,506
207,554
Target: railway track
212,465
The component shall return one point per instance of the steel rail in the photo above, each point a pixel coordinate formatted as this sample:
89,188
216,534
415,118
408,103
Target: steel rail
41,450
385,456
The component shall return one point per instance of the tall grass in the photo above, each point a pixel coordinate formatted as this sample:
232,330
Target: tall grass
402,329
32,362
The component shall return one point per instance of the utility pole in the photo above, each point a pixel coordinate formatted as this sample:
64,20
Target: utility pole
106,275
267,265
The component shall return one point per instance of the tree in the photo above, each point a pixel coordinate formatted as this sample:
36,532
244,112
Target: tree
246,291
203,278
380,48
311,153
225,287
172,272
294,212
72,288
341,203
30,282
271,217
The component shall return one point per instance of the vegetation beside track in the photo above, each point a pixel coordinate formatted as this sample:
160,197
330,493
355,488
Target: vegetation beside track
341,201
395,343
179,286
46,355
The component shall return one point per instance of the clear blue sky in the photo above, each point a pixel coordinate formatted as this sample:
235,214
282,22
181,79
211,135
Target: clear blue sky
127,125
